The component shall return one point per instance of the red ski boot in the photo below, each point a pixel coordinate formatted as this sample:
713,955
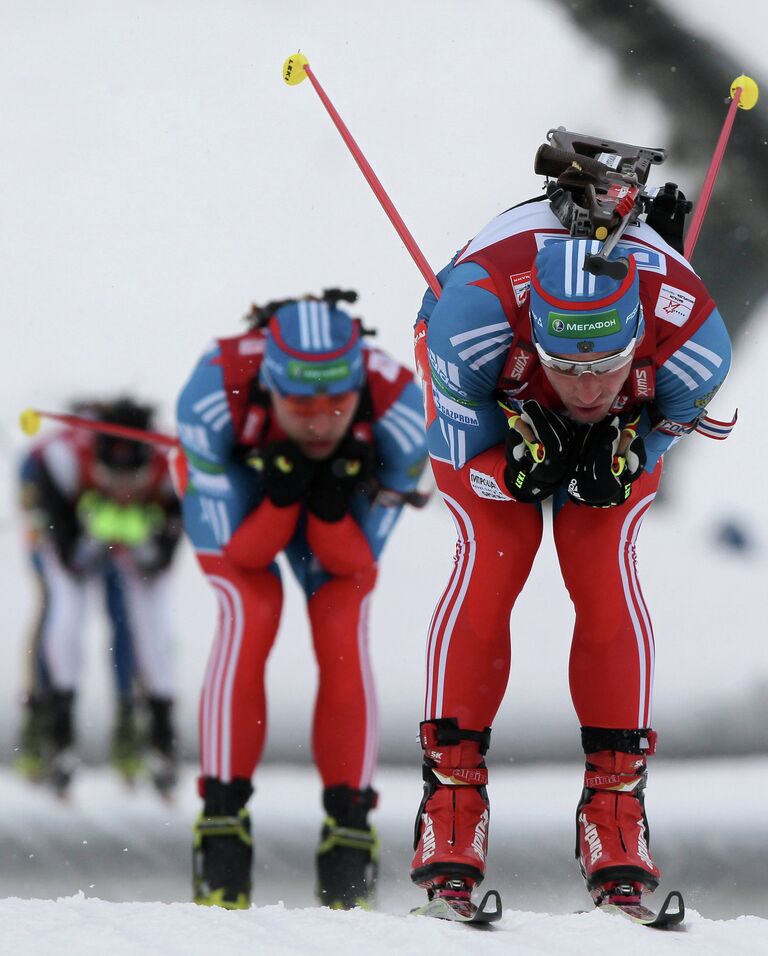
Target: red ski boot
611,827
451,837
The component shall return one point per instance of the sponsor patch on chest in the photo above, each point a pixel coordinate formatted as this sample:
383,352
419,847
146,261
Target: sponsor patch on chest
251,346
253,425
453,410
521,286
674,305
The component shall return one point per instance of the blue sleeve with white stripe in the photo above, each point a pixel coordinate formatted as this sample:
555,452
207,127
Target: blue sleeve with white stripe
401,443
687,381
401,450
221,491
468,337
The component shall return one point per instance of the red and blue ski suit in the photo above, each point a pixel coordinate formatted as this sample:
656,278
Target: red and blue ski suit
237,533
474,344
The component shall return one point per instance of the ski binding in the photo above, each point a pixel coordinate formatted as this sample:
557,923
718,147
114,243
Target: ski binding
451,901
670,915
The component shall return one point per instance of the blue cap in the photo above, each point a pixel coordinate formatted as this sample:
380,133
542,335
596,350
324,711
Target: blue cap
573,311
312,348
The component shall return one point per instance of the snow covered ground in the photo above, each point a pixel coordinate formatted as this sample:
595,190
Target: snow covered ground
91,928
133,851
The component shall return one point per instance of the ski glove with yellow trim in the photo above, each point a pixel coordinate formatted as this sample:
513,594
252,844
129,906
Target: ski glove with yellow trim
286,470
338,478
538,451
609,459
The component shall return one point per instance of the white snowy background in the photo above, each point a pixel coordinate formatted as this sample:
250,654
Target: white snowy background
158,176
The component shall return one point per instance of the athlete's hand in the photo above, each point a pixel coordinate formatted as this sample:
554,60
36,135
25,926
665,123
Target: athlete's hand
608,460
339,477
538,451
286,470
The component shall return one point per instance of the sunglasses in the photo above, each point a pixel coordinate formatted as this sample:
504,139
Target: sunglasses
568,366
309,405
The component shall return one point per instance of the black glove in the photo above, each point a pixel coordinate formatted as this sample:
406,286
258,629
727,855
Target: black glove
538,464
602,475
286,470
338,477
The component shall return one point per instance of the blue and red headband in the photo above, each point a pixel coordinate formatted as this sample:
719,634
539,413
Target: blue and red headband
312,348
576,312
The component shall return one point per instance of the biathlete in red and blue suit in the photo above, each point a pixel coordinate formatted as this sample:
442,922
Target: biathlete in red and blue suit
300,438
549,382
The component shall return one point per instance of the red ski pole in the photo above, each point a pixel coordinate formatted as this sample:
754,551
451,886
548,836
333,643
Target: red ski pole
295,69
30,421
744,95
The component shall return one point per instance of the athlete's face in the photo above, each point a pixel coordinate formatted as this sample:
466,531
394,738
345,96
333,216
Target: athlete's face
316,423
122,485
588,396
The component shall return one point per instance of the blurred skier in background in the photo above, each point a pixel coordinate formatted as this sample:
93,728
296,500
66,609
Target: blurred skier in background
300,439
32,751
553,383
100,509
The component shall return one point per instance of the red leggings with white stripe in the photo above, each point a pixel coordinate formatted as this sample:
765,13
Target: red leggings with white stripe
233,714
468,654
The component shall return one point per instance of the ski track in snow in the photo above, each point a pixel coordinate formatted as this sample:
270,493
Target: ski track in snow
90,926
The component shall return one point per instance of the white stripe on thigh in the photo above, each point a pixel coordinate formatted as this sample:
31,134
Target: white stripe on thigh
636,607
369,691
440,636
213,678
229,680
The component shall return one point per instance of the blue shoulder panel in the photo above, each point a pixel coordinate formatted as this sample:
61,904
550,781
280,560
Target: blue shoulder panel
221,490
468,338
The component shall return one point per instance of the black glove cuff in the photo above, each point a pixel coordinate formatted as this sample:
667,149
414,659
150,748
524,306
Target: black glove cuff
524,488
328,508
285,497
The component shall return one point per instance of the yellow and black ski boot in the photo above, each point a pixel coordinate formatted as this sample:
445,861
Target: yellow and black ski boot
222,854
348,854
125,754
30,755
